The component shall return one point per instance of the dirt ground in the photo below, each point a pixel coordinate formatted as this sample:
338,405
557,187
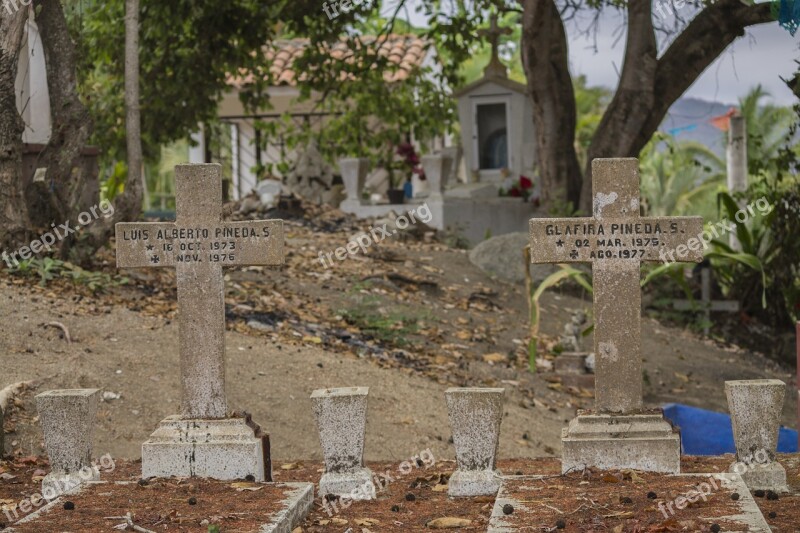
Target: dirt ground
135,356
301,327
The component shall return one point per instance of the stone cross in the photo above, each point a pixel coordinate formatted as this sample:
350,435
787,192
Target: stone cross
706,304
494,32
198,244
616,240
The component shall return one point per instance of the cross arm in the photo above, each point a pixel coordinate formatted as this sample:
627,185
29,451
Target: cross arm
136,244
653,239
165,244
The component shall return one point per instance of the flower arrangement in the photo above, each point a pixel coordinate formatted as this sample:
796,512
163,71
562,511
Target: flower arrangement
519,188
410,159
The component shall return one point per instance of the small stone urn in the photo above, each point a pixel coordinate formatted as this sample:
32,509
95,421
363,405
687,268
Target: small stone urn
67,419
475,416
354,174
341,416
437,168
755,407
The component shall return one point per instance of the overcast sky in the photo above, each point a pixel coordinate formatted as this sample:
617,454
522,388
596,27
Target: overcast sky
766,52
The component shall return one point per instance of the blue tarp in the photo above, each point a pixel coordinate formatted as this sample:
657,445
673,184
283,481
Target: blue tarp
709,433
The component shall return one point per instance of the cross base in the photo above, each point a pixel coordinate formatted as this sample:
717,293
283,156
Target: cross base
58,483
645,442
224,449
770,476
474,483
355,485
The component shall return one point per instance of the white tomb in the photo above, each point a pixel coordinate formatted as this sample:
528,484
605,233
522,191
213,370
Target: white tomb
496,118
498,142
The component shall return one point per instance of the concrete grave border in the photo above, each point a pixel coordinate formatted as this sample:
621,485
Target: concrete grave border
750,515
295,507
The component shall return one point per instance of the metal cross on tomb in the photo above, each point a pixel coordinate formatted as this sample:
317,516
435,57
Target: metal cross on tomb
616,240
198,244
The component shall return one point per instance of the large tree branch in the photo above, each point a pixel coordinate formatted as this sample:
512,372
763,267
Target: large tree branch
546,61
636,111
634,98
703,40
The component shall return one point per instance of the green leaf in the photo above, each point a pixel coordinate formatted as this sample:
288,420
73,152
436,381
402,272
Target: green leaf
659,271
748,260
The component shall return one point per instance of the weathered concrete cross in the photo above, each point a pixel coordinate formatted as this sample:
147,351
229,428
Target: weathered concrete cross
198,244
615,240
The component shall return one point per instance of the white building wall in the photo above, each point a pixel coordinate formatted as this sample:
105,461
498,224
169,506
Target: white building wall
33,100
247,157
197,153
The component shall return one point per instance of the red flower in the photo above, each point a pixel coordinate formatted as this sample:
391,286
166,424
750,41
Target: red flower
515,192
525,183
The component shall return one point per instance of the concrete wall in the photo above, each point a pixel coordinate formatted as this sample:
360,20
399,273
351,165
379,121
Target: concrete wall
473,219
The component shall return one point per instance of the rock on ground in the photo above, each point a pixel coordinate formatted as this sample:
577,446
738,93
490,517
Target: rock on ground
502,258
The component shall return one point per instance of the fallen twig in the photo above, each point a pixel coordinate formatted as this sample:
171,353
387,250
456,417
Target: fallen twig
63,328
559,511
128,525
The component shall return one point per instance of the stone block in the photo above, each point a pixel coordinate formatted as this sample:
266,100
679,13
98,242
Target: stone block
571,363
580,381
436,169
224,449
475,416
644,442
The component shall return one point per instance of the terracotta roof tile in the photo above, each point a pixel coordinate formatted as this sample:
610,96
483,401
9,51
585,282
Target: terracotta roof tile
406,51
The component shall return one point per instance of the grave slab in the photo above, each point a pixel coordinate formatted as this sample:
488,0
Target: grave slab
67,418
354,174
281,506
203,440
616,239
542,501
475,416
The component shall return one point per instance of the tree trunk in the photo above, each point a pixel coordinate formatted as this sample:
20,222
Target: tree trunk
66,191
133,121
545,60
649,86
14,222
128,205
